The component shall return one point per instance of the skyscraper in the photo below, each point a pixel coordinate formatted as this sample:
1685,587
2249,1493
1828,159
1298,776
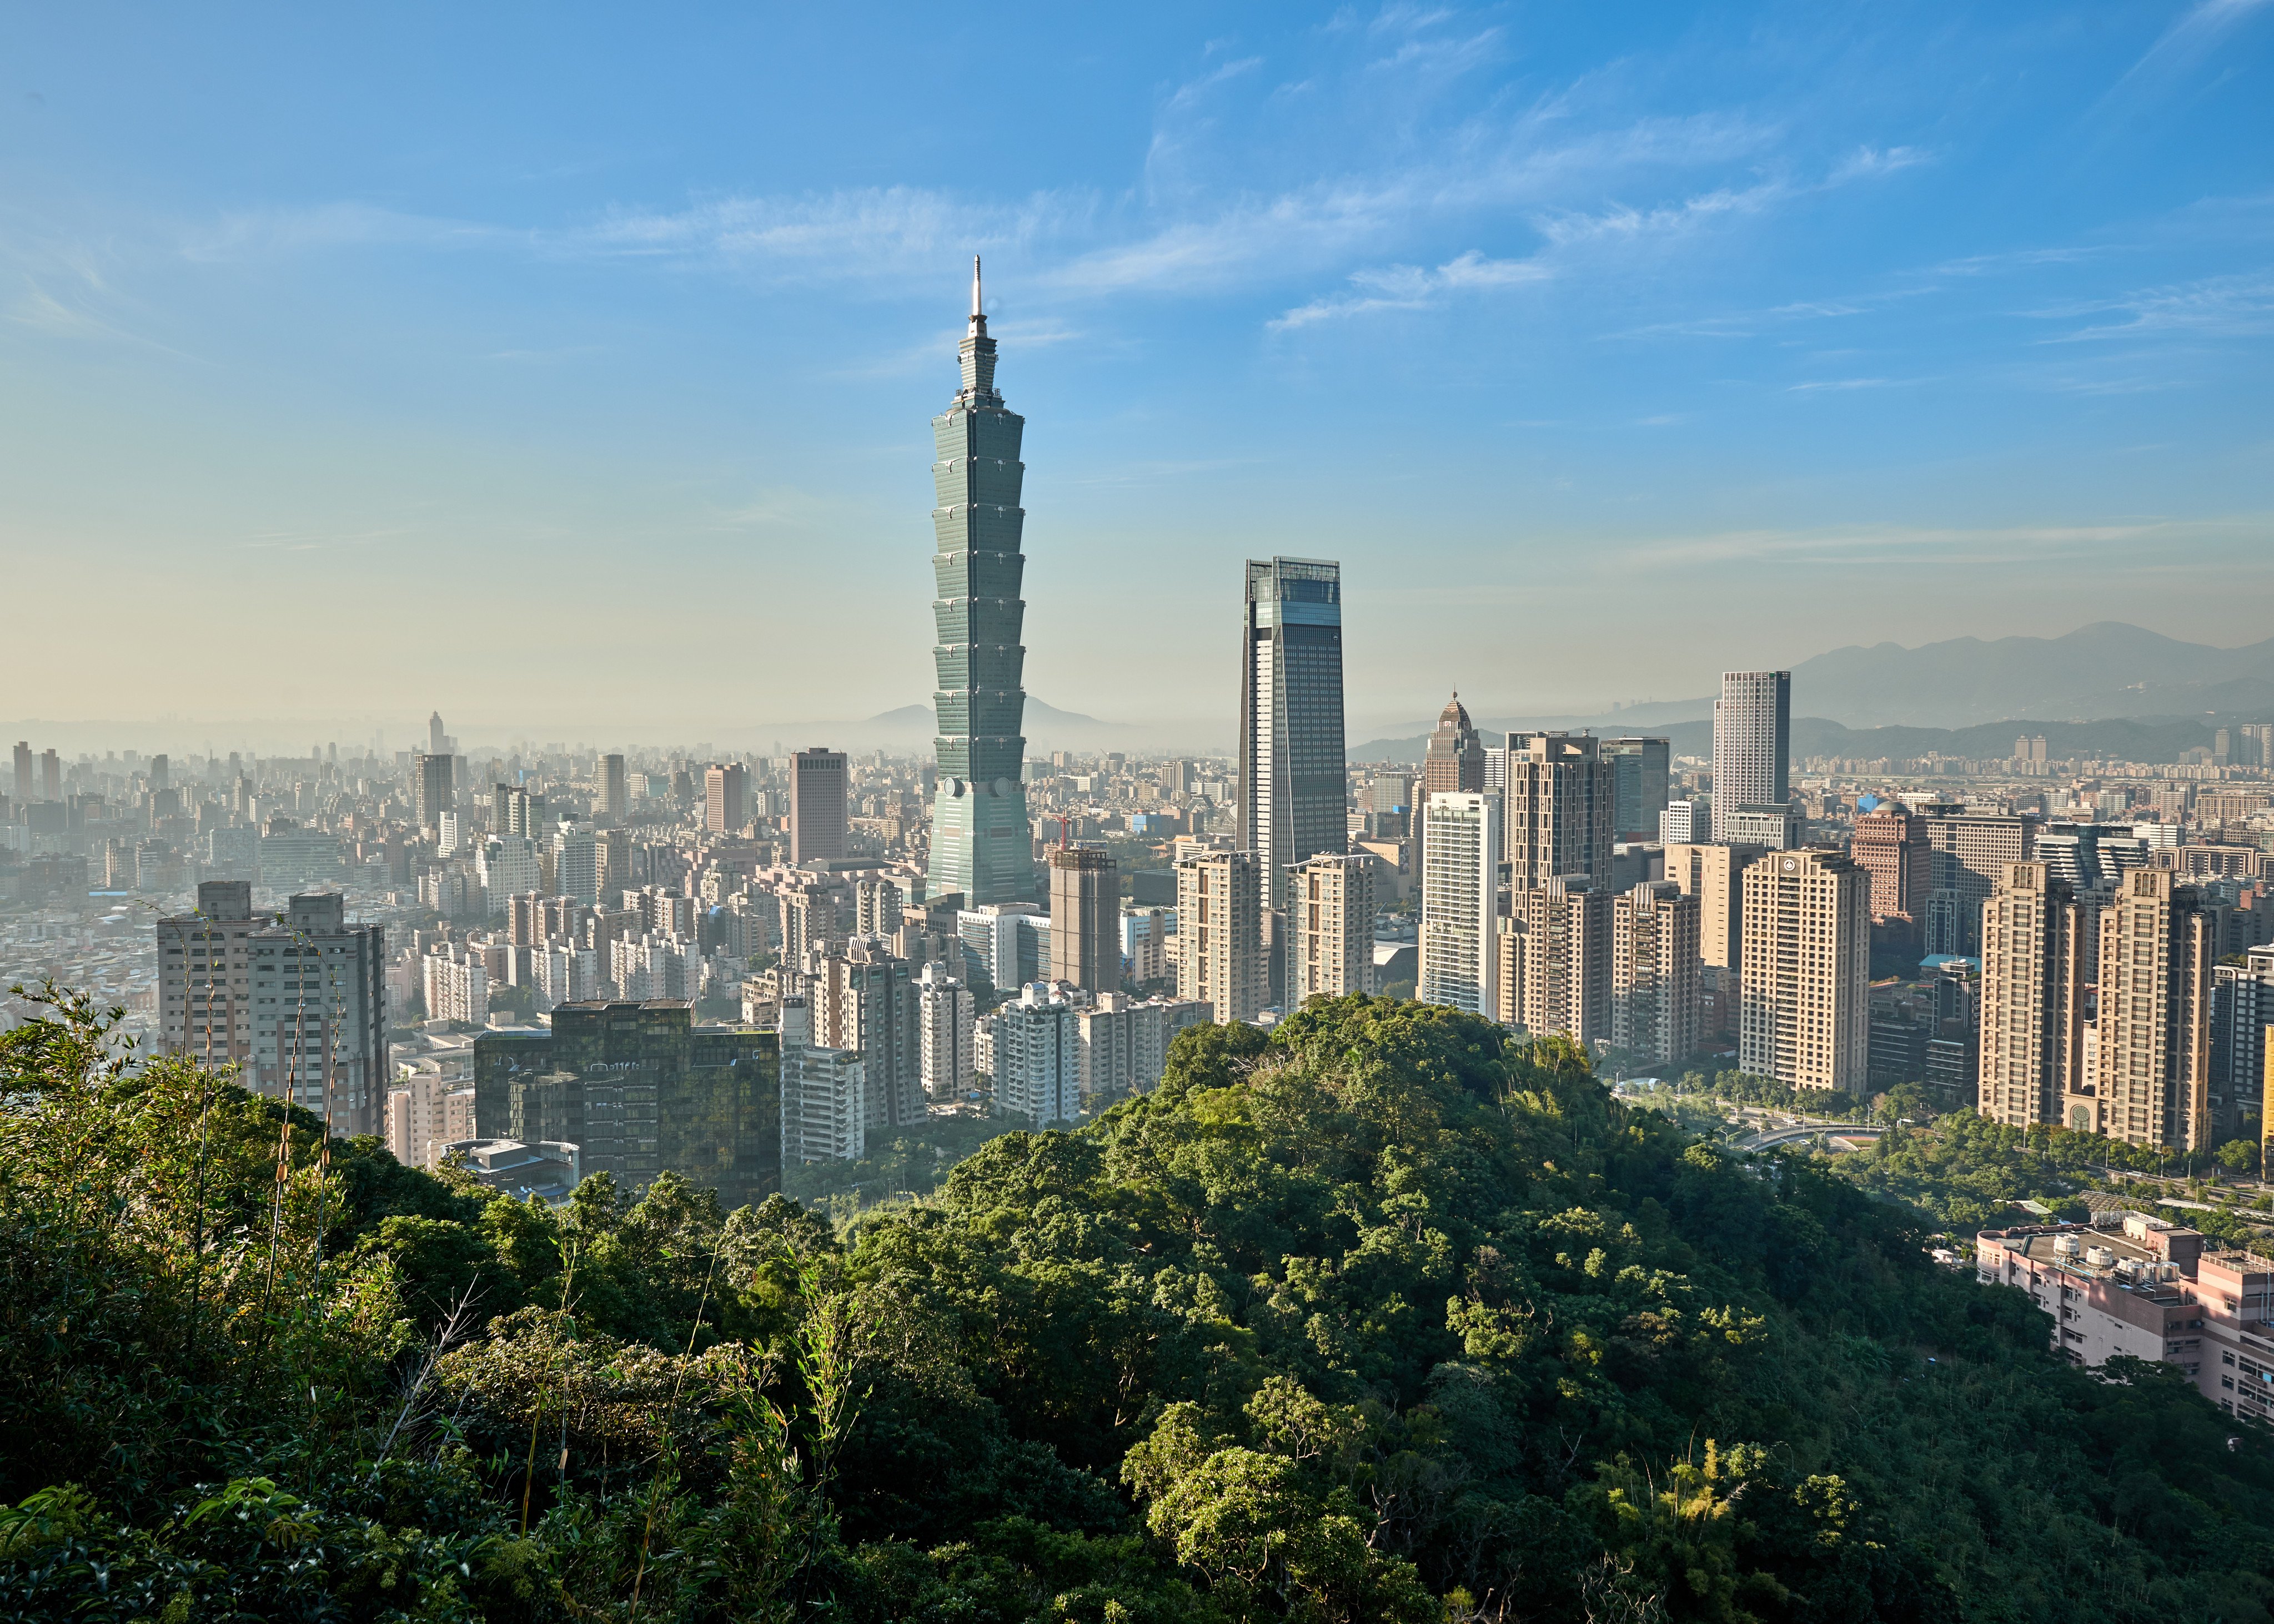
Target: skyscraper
1561,791
2034,971
1752,743
430,788
25,790
438,742
1460,830
1554,973
2152,1023
1454,761
1805,1003
616,793
725,798
1891,845
1085,919
1290,769
981,843
817,806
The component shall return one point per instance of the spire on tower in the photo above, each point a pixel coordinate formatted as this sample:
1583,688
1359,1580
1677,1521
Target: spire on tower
976,309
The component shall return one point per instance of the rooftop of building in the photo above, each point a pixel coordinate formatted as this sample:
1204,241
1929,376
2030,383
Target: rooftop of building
2131,1257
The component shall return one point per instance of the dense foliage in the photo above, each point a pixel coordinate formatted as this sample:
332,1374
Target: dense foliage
1384,1316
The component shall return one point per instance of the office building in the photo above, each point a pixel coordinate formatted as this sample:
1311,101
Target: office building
1970,851
1006,944
1462,839
1640,770
2089,857
2152,1027
430,790
946,1013
51,775
1683,822
726,800
2036,970
1771,828
1803,1012
316,986
1553,968
1037,1063
1219,938
817,805
1329,909
27,783
1752,745
640,1090
1656,995
981,843
1558,816
1290,769
1891,845
438,742
615,789
1122,1044
1715,875
1085,919
204,1008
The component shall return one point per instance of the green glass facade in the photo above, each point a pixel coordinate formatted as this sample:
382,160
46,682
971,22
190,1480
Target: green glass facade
640,1090
982,844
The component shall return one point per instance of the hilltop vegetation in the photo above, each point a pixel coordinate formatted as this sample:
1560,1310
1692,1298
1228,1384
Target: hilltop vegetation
1386,1316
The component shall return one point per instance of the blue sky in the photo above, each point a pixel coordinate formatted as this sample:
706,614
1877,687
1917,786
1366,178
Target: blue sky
571,368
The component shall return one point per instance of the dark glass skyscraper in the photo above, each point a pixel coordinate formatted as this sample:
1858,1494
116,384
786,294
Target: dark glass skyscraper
1292,801
981,843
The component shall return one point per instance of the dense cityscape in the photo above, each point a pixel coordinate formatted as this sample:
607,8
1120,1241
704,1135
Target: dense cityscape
1799,1153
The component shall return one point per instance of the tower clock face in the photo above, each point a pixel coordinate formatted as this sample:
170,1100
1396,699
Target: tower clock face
1792,865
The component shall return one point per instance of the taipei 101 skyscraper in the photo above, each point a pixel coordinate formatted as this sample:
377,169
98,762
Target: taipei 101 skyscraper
981,842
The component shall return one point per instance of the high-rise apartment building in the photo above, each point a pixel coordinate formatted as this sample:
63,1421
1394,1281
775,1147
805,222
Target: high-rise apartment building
824,1095
1290,769
1657,994
981,843
1461,836
1123,1043
205,975
878,906
1804,991
575,862
1329,909
1561,800
946,1013
1085,919
1037,1058
508,869
317,987
2151,1029
430,790
27,785
2034,967
1715,875
818,804
2242,1009
725,798
51,775
1007,943
615,788
1553,968
424,1115
1752,744
1219,938
1641,769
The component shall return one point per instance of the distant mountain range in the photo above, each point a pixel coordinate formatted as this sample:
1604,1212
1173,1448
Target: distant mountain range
2107,670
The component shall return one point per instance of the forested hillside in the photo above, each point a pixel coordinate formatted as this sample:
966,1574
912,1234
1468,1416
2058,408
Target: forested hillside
1385,1317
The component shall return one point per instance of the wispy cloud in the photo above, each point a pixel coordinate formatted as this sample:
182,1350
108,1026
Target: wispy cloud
1412,287
2181,49
2237,306
1956,546
257,233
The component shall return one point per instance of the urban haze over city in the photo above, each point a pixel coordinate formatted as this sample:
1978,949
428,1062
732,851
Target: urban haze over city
1583,737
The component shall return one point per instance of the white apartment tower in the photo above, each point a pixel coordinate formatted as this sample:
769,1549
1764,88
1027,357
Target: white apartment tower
1461,841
